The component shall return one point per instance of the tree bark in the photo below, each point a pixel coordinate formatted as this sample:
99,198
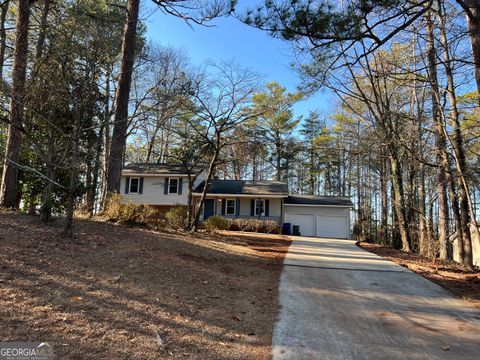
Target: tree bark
210,171
3,38
43,30
440,143
399,200
8,189
119,135
464,237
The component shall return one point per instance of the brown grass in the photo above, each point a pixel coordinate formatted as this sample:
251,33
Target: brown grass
119,293
448,274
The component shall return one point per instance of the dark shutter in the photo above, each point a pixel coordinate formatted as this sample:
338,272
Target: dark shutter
237,207
166,186
224,204
127,185
140,186
180,186
252,207
267,208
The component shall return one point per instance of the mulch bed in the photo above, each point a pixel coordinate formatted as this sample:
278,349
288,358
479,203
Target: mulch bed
448,274
114,292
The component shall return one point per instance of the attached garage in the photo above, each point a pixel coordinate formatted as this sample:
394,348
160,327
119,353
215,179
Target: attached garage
319,216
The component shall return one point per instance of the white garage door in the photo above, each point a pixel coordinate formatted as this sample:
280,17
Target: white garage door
305,221
332,226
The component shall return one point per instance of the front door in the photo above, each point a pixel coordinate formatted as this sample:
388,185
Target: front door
208,208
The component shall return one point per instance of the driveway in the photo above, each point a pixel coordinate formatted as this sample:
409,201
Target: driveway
341,302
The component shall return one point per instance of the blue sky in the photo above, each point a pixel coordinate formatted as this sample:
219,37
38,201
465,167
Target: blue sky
230,39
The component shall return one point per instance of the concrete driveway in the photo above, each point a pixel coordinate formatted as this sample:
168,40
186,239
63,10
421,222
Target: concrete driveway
341,302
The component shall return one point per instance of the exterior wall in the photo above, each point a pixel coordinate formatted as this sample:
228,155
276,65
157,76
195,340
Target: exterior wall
319,210
153,192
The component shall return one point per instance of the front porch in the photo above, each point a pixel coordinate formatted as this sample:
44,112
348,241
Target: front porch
243,207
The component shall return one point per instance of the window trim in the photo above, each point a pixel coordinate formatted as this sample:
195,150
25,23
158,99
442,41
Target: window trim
264,207
178,186
234,206
130,186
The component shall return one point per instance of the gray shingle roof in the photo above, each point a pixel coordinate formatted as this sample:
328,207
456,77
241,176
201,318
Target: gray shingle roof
245,187
160,169
318,200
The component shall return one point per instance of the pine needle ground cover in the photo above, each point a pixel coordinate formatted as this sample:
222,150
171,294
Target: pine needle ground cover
114,292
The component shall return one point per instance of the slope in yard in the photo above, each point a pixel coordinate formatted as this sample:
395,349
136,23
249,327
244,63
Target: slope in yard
115,292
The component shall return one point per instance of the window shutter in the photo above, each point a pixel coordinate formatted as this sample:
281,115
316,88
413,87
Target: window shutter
237,207
267,207
127,185
180,186
140,186
252,207
166,186
224,204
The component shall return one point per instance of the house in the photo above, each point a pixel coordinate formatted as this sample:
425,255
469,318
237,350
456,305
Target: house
166,185
159,185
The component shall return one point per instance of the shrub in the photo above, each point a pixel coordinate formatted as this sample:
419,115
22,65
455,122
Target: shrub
214,223
255,225
130,213
177,217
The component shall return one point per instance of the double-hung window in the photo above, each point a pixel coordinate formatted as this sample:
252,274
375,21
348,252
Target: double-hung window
173,186
230,207
259,207
134,185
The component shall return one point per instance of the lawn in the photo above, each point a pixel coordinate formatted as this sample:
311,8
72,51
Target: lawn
114,292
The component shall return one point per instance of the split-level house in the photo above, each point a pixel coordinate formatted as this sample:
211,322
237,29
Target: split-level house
166,185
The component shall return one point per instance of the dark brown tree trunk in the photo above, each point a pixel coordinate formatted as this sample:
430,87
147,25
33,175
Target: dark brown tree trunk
8,189
440,143
3,38
117,146
43,29
72,188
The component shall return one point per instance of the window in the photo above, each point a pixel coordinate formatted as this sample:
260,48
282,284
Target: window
230,207
134,185
259,207
173,186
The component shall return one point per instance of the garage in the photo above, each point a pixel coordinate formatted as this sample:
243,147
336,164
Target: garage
319,216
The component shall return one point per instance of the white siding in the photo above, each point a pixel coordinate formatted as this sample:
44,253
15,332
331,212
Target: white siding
320,216
153,192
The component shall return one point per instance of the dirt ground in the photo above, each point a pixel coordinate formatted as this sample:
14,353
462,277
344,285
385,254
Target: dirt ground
114,292
450,275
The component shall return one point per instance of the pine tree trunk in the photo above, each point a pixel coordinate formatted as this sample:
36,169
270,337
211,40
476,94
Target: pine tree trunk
8,189
43,30
117,146
3,38
46,207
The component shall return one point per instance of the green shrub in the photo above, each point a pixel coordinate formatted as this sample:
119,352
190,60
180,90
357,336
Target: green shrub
177,217
214,223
